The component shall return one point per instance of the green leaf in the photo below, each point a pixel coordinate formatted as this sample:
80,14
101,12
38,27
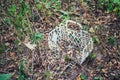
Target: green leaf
21,70
115,10
52,1
21,67
109,7
35,17
111,40
85,27
36,36
5,76
47,74
65,15
95,39
64,12
87,1
39,6
116,1
47,5
16,41
66,58
58,4
82,76
12,8
7,20
99,67
2,47
24,8
97,78
92,56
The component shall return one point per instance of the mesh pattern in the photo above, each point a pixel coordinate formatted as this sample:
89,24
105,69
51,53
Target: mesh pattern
64,38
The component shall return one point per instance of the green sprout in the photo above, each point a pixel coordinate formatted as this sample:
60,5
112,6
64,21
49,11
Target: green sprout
111,40
83,77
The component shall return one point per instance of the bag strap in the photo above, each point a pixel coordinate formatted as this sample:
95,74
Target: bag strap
74,23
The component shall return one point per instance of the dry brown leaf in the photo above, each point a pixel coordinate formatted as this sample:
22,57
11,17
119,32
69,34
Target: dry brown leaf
118,65
110,64
91,30
12,38
10,66
7,44
30,46
12,54
78,78
60,79
115,49
104,70
70,52
91,73
39,78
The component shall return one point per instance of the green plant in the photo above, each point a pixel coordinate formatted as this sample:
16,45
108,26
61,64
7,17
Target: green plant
66,58
2,47
48,7
65,15
111,40
83,77
92,56
37,36
47,74
17,16
5,76
107,5
99,67
95,39
97,78
87,1
57,4
110,6
39,6
85,27
22,75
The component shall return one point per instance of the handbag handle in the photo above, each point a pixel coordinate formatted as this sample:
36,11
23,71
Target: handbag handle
74,23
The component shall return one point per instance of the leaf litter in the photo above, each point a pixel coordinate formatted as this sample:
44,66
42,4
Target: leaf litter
105,65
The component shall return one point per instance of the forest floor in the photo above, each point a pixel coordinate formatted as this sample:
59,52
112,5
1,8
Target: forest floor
103,64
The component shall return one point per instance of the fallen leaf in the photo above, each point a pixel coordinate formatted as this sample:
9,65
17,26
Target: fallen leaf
118,65
7,44
39,78
110,64
12,54
91,30
78,78
30,46
104,70
70,52
1,69
60,79
12,38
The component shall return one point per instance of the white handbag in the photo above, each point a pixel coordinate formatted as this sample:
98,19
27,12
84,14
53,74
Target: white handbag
80,39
